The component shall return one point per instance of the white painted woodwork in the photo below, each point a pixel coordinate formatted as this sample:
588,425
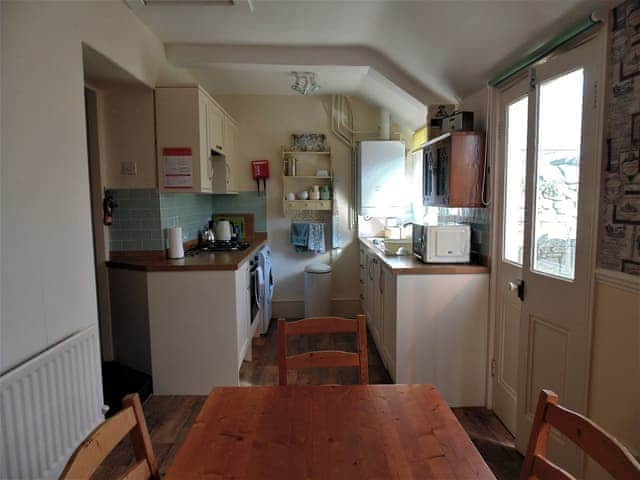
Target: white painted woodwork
199,323
48,405
188,117
556,315
215,128
225,174
430,328
507,311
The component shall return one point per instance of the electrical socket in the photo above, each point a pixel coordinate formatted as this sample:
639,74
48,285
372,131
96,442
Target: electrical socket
128,168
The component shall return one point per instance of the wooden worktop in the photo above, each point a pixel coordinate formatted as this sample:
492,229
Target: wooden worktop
410,265
201,262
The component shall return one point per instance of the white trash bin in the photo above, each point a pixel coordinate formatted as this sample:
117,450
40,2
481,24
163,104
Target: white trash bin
317,290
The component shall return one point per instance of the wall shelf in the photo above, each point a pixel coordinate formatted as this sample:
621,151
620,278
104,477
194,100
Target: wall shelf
310,177
304,152
306,167
298,205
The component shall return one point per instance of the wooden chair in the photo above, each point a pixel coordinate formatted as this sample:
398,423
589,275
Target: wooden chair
595,442
130,420
326,358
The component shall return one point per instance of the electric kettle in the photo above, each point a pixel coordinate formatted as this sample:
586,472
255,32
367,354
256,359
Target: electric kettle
223,230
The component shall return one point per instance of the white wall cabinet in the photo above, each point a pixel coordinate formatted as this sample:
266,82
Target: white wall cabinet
225,167
429,328
187,117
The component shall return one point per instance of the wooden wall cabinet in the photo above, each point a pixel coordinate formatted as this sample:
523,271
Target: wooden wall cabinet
453,170
187,117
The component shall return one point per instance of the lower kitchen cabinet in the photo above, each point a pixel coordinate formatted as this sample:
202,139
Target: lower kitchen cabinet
190,329
429,328
200,329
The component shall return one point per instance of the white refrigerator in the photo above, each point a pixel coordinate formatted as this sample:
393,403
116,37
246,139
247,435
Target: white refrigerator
383,190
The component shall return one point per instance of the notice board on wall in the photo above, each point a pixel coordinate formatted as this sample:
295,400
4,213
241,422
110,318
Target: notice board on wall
178,167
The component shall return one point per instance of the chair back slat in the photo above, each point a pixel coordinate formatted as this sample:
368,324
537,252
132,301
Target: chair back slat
129,421
323,359
317,325
100,443
140,471
544,469
593,440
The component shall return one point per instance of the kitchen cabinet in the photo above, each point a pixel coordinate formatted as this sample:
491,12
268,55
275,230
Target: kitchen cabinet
190,121
453,170
200,329
429,328
215,128
225,167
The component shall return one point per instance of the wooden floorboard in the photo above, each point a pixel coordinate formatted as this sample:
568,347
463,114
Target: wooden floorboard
170,417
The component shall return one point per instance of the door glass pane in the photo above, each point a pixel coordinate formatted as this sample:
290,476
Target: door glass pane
516,166
557,174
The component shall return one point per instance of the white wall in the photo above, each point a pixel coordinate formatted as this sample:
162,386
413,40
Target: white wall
266,123
477,103
128,135
47,273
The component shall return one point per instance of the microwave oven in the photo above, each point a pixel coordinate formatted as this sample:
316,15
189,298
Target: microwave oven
449,243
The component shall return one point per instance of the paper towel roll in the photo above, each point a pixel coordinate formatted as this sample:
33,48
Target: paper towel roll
176,250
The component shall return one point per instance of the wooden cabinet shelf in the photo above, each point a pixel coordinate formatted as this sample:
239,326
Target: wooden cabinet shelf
307,205
453,170
304,152
305,164
312,177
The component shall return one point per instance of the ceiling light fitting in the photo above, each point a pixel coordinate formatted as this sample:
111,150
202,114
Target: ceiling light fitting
305,83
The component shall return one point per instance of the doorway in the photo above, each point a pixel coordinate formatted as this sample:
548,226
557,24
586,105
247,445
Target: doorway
113,97
546,185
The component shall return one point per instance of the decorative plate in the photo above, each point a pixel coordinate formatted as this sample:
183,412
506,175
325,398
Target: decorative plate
309,142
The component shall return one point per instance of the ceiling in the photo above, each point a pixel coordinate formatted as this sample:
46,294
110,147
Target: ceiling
435,51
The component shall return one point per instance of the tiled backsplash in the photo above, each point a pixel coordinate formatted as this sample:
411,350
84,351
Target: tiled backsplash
136,221
143,215
191,211
244,202
480,222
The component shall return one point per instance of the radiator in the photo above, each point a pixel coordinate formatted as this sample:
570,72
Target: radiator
48,406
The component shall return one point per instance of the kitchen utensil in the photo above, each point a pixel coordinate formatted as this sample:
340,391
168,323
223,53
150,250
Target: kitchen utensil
223,230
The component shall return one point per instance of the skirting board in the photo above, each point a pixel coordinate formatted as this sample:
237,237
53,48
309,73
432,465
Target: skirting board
342,307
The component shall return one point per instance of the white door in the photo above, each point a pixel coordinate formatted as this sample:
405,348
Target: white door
511,169
561,193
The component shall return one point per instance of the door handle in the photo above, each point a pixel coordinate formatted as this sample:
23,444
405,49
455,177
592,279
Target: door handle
519,287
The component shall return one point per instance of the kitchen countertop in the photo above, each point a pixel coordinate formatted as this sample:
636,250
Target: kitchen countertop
224,261
410,265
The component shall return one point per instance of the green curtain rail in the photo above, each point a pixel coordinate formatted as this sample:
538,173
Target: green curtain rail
545,49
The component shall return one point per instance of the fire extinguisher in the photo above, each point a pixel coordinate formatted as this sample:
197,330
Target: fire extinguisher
108,204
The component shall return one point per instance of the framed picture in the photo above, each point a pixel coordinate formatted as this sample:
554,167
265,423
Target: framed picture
627,210
635,128
630,64
631,267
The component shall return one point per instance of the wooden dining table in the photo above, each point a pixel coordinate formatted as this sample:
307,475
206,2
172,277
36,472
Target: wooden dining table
327,432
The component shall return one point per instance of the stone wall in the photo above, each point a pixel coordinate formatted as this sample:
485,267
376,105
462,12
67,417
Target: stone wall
619,229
